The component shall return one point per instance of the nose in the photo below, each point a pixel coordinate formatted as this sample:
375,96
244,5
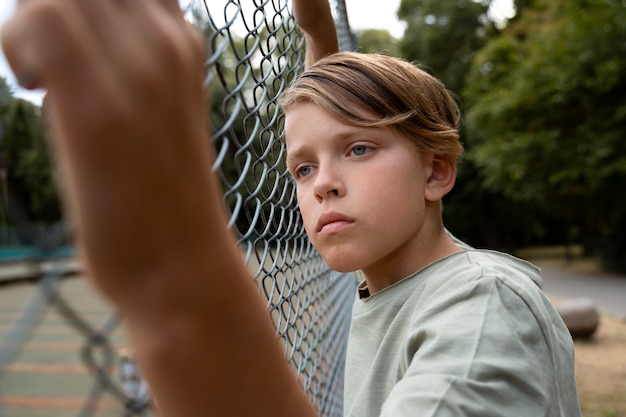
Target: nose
328,183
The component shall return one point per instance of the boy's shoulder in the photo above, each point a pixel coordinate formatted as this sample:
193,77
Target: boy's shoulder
458,284
480,267
495,263
461,274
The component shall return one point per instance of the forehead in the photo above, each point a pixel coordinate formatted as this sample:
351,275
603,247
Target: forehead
309,124
345,117
311,131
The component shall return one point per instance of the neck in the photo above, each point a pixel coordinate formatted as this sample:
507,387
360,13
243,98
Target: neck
429,247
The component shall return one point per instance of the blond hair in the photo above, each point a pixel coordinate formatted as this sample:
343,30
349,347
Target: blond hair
372,90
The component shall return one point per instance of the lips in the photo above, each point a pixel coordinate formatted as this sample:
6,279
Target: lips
332,221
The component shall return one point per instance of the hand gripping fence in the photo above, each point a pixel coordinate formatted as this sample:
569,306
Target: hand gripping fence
62,352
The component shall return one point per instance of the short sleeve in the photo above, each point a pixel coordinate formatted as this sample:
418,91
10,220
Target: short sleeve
478,351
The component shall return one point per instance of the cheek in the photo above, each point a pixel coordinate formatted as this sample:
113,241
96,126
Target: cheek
391,184
305,212
400,194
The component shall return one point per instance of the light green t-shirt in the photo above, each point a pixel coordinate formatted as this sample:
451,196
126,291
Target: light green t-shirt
471,335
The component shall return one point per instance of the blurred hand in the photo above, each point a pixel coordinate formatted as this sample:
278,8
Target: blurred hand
126,106
315,19
312,15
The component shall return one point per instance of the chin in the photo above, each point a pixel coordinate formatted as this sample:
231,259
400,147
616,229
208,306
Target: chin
343,269
345,263
342,256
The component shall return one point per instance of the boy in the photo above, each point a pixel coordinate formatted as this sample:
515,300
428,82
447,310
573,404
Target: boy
128,115
439,329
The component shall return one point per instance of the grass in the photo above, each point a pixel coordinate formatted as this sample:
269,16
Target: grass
601,370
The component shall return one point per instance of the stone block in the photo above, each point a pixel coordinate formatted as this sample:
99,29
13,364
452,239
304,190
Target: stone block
580,316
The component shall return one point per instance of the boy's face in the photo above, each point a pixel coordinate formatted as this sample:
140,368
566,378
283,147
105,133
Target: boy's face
360,190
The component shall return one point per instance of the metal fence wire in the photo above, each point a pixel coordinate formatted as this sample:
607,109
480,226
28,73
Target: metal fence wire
48,314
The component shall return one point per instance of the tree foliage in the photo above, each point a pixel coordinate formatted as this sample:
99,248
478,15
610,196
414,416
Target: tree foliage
28,192
378,41
546,113
544,110
6,95
443,35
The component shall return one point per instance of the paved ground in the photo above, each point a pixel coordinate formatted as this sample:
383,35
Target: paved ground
607,291
51,362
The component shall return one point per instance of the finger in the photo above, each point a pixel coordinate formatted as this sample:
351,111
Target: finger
46,40
164,27
170,5
20,4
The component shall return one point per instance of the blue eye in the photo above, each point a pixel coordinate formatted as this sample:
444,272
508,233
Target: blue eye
360,150
304,171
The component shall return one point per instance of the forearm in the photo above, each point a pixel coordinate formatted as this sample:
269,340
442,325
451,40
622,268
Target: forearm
315,19
201,330
206,343
155,241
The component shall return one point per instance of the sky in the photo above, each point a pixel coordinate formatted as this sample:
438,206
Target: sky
362,14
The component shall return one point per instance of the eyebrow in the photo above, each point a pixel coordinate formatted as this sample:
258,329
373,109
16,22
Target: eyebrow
297,154
356,132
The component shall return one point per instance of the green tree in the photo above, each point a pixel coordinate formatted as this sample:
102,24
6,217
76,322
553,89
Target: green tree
547,115
378,41
6,95
443,35
29,192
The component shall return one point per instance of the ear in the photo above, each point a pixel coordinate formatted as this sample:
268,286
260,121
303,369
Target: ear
441,179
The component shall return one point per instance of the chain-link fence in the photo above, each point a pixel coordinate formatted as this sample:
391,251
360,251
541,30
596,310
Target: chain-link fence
60,343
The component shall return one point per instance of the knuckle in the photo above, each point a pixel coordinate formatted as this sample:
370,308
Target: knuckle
25,38
181,52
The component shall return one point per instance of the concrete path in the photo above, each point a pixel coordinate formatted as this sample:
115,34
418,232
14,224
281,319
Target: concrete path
608,291
51,364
